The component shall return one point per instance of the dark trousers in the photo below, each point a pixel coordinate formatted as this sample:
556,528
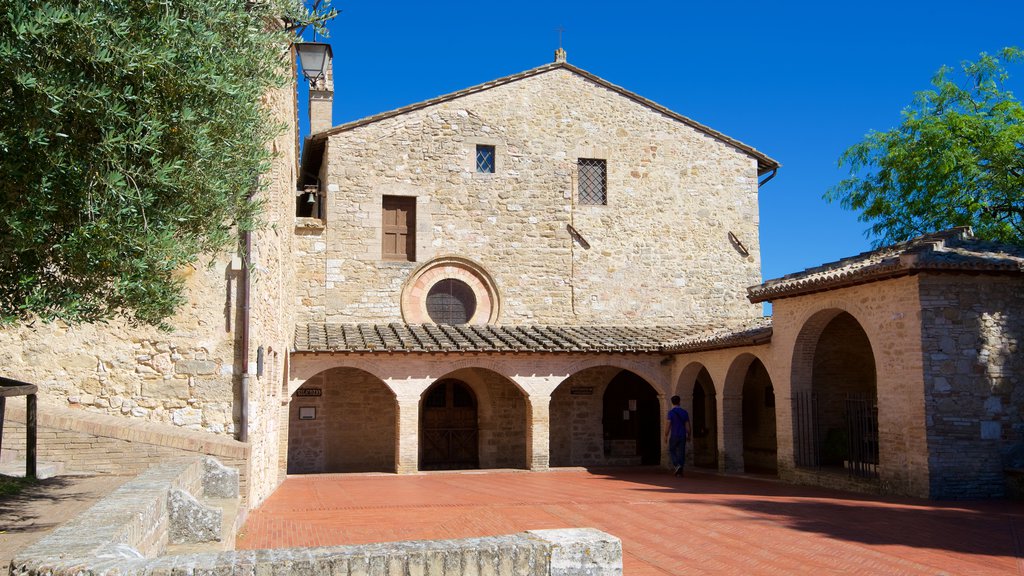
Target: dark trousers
677,450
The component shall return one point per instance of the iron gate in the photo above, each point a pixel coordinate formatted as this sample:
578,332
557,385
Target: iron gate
862,431
806,442
861,415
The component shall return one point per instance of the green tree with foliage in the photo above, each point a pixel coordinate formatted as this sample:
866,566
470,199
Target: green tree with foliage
132,136
957,159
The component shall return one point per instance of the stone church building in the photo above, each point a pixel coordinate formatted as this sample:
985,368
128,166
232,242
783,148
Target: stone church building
520,275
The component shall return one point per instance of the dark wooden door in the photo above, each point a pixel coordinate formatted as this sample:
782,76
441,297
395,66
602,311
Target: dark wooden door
449,430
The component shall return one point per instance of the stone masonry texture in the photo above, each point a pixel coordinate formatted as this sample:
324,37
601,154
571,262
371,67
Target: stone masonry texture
674,195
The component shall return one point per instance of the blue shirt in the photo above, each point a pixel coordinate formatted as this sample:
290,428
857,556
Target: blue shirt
677,418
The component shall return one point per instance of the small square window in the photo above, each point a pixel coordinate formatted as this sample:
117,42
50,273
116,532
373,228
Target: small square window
593,181
484,159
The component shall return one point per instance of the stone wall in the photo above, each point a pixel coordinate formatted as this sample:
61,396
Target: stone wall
972,330
189,377
87,443
674,194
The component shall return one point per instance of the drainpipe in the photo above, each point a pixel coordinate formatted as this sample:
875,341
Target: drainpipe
770,176
243,424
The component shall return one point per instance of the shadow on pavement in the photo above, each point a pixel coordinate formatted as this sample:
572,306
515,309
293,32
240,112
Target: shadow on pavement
991,528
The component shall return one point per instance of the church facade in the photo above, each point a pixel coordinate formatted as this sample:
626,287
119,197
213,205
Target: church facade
520,275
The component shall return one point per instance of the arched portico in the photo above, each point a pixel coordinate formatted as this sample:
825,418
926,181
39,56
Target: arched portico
704,420
341,420
605,415
500,431
835,396
749,440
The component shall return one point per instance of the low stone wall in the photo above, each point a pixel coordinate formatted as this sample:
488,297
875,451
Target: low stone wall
90,443
129,533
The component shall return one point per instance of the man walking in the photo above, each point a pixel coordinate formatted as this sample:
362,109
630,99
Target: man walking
677,433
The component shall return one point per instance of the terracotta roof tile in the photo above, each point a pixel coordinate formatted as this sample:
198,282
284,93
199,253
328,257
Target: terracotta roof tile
396,337
954,250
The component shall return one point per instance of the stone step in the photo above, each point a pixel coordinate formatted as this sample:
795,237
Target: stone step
43,469
230,526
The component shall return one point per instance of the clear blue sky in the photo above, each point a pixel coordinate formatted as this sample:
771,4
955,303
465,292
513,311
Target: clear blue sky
800,81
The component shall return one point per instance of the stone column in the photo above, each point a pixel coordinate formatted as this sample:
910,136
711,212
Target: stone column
538,431
283,428
730,433
407,445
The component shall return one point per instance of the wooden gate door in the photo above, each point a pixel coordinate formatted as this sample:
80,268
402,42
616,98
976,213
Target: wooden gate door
449,429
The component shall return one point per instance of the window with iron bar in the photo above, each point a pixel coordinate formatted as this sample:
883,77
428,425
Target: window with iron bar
485,159
593,181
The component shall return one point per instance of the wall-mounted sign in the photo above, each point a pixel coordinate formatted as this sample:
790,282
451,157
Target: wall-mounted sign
307,413
309,392
582,390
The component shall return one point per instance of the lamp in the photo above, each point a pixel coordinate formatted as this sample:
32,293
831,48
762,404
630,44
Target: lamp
313,57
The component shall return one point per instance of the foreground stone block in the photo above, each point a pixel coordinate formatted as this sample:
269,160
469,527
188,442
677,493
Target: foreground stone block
191,521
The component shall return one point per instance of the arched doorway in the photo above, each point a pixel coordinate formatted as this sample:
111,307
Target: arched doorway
759,432
631,421
836,416
449,430
705,421
342,420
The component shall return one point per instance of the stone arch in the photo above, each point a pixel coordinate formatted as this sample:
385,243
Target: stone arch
464,271
306,366
751,443
835,394
502,416
342,420
646,367
703,418
579,434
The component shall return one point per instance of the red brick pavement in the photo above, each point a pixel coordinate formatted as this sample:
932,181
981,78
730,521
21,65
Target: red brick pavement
701,524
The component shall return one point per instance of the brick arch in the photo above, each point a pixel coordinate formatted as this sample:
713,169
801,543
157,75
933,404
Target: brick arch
644,370
684,383
827,375
576,433
353,424
472,274
812,325
706,428
742,440
304,367
502,412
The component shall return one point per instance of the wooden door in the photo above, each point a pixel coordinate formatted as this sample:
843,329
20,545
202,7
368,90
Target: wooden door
449,429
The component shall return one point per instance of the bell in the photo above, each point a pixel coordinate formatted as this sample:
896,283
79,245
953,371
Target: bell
311,199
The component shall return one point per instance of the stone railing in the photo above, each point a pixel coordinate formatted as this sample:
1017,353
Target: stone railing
138,528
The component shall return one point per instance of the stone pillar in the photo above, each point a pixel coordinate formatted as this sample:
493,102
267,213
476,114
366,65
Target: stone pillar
283,428
407,445
538,431
730,433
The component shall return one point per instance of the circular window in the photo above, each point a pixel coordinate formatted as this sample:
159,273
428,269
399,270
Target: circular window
450,290
451,301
